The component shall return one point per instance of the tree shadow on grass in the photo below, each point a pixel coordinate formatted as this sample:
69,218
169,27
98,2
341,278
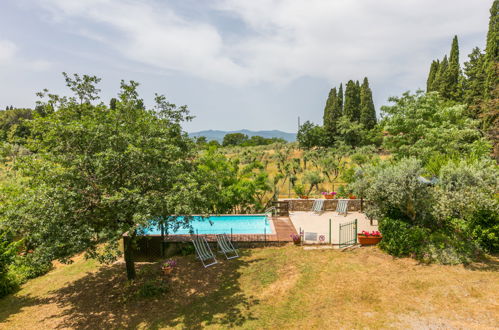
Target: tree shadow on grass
485,264
13,304
195,297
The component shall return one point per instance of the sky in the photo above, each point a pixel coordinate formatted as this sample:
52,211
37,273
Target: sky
236,64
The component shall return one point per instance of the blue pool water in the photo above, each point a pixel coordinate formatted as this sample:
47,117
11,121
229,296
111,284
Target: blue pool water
240,224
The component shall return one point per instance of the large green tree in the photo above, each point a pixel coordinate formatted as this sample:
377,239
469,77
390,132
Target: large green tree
430,82
367,110
97,173
475,82
451,88
310,135
351,108
329,122
422,125
234,139
492,52
339,101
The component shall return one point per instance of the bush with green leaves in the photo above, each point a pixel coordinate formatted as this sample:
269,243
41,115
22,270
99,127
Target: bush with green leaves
8,250
25,267
450,222
394,191
467,198
400,239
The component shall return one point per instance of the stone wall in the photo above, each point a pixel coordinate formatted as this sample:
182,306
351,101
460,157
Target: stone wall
329,204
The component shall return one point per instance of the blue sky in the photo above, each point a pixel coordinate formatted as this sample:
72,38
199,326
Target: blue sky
255,64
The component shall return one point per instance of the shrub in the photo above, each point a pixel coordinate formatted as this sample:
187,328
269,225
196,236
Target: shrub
467,201
451,222
401,239
29,266
151,288
444,246
394,191
7,253
8,284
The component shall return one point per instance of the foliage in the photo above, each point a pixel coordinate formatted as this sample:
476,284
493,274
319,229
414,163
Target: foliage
299,190
400,239
475,82
351,108
467,199
310,135
313,178
351,133
8,250
234,139
230,186
28,266
170,263
96,173
367,110
13,125
151,288
394,191
422,124
449,222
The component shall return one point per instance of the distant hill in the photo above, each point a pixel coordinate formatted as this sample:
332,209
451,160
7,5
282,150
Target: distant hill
219,135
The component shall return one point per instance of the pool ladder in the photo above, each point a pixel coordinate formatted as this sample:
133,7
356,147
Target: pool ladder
270,210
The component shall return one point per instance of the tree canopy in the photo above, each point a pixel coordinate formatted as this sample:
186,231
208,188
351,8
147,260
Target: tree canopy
97,173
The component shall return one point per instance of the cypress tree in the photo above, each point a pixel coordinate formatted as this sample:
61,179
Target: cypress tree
439,84
339,105
492,52
367,110
475,81
357,101
431,76
328,118
452,89
352,102
112,103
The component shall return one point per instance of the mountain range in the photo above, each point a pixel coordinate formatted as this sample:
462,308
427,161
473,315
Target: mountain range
219,135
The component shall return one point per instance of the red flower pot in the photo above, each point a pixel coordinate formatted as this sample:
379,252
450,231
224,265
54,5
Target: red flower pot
328,196
303,197
368,240
167,270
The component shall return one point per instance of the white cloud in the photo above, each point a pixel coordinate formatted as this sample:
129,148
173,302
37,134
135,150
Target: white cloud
285,39
7,51
10,58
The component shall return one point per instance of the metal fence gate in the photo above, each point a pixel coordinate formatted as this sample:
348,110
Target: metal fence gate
348,234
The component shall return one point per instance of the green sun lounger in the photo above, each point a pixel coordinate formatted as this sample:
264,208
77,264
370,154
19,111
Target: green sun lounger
318,205
203,251
226,246
342,207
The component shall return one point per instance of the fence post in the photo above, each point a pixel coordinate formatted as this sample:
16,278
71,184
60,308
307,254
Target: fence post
162,239
355,231
329,230
339,235
231,234
264,236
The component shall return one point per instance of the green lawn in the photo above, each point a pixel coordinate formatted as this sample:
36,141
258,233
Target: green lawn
285,287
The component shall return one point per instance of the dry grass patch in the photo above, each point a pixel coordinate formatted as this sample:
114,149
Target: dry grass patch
266,288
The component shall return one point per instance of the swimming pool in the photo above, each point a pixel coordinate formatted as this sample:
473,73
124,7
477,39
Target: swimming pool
222,224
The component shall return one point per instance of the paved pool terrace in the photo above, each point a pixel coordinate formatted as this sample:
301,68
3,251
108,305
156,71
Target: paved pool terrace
319,223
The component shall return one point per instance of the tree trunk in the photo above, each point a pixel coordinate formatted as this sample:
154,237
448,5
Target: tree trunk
129,260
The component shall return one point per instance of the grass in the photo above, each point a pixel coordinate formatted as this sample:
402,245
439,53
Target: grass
285,287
